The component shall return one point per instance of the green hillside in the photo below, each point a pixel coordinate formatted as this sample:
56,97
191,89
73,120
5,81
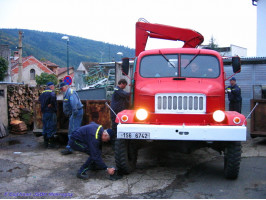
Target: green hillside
50,46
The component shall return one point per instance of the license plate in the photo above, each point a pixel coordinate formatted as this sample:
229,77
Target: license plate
130,135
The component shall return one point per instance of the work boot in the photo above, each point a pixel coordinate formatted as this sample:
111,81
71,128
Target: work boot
66,152
45,141
83,175
52,144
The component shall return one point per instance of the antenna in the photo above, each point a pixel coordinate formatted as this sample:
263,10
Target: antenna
250,113
113,112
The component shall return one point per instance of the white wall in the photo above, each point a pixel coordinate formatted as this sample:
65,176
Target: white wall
261,28
3,105
238,51
82,68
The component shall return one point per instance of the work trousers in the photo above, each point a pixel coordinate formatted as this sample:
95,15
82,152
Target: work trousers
82,147
49,124
235,106
74,123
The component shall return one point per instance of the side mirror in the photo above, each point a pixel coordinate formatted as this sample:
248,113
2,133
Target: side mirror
236,64
125,66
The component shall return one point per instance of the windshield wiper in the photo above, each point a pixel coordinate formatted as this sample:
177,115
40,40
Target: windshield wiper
192,59
166,59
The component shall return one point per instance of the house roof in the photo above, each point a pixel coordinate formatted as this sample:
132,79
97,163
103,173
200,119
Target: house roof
49,64
62,70
246,60
87,65
26,61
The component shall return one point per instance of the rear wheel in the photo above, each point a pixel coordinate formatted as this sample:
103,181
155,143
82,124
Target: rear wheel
232,158
126,154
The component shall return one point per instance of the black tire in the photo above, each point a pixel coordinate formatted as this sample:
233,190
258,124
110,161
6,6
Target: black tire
232,158
126,155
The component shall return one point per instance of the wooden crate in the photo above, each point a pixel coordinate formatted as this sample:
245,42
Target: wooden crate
258,118
90,107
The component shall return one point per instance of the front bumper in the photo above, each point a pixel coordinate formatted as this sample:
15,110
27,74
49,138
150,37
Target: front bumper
190,133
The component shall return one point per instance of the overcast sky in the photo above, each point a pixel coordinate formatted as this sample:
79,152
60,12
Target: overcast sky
113,21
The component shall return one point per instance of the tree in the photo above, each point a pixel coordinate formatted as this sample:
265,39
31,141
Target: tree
43,59
44,78
3,68
212,44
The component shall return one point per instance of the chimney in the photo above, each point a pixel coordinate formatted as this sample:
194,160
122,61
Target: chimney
16,55
20,67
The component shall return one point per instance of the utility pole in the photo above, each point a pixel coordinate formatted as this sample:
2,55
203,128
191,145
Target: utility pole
20,57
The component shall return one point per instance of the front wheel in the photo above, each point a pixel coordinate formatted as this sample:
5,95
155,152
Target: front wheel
126,154
232,158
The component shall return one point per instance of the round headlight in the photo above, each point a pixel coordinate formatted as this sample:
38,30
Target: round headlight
141,114
218,116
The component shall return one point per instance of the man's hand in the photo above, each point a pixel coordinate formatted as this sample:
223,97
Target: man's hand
49,105
227,90
111,171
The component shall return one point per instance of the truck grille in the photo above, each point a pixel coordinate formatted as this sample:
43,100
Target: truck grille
180,103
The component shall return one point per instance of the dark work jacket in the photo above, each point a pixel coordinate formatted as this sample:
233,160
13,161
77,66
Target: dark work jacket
88,135
120,100
48,96
235,95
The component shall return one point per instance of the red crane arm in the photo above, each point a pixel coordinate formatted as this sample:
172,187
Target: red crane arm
144,30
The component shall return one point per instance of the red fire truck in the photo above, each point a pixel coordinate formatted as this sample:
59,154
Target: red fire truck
178,96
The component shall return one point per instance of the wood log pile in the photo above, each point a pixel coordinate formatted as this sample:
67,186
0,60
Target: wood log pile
21,98
18,127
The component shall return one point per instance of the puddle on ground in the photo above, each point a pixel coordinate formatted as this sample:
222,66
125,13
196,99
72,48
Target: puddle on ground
13,142
10,170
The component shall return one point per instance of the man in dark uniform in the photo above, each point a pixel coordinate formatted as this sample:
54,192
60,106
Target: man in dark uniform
119,102
88,139
49,109
234,96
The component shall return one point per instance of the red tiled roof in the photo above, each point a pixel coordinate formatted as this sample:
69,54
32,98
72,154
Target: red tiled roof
29,61
15,62
63,69
50,64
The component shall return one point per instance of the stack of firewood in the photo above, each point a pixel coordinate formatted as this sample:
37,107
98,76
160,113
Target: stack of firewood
21,97
18,127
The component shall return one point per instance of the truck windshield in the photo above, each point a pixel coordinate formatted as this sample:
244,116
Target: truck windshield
157,66
203,66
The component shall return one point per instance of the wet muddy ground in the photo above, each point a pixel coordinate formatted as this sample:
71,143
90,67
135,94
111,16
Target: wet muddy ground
29,170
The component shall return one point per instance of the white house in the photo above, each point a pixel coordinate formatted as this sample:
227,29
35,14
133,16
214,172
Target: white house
231,51
84,67
31,68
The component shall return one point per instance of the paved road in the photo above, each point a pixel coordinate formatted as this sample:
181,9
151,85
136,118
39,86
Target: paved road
26,168
206,181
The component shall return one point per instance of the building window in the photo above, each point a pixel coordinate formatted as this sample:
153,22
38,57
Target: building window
32,74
